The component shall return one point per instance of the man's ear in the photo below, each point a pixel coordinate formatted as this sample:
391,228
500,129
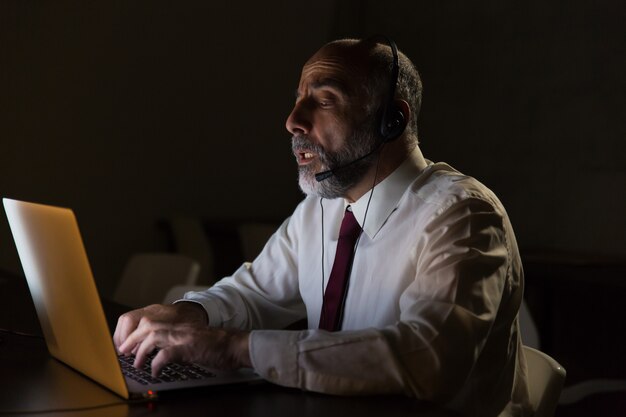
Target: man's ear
404,107
395,120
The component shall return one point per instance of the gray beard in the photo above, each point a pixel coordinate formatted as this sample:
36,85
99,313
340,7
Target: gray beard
344,178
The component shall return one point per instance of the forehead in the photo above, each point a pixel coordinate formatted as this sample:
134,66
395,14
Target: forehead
334,68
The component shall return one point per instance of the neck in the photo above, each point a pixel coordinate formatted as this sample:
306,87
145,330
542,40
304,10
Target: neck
391,156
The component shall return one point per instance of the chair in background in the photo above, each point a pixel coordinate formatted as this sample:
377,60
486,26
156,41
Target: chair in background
572,393
189,238
220,246
545,381
577,392
148,277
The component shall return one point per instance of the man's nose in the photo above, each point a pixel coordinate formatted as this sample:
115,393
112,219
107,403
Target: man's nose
298,122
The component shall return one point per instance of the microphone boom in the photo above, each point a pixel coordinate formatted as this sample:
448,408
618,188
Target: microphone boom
321,176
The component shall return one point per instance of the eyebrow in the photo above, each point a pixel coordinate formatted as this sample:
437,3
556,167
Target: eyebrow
332,83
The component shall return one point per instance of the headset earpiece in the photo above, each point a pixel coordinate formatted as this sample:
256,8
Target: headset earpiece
392,119
392,124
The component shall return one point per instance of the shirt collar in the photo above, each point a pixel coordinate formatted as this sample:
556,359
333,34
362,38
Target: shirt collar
386,195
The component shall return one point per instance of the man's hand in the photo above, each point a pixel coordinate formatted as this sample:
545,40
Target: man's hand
214,347
180,332
179,313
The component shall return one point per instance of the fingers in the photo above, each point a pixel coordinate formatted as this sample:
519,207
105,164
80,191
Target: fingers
165,356
143,349
147,337
126,324
144,341
132,341
130,345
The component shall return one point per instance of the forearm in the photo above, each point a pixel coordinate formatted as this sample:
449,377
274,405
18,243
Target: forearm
425,358
240,302
345,363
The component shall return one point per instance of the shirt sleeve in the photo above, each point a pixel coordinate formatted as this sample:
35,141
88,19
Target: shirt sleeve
259,295
448,315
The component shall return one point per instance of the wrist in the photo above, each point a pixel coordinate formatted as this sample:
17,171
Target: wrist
193,312
240,349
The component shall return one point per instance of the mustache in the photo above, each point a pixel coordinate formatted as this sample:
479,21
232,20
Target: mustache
302,142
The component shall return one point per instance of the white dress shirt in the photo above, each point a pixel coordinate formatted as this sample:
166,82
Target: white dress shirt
432,302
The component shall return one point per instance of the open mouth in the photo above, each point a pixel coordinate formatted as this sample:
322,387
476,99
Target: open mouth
304,157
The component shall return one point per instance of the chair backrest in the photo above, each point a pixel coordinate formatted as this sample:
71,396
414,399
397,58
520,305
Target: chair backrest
528,328
148,277
545,381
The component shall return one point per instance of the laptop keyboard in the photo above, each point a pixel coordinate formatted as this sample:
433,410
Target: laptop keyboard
172,372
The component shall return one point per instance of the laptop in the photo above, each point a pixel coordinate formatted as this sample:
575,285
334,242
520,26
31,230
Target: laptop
70,312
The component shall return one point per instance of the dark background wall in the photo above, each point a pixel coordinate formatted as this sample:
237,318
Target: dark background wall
133,111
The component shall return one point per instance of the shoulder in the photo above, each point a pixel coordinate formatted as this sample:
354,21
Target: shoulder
441,187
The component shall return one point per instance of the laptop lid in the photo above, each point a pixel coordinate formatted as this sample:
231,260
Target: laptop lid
68,306
59,277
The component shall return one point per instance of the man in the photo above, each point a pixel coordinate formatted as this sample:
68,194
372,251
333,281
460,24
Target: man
426,303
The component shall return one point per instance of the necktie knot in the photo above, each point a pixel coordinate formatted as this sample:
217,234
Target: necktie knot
350,228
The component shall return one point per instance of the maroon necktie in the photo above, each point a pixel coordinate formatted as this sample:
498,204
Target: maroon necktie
330,318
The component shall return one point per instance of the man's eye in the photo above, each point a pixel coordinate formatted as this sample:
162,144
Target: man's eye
325,103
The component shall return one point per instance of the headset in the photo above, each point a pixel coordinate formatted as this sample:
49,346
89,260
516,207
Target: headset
391,119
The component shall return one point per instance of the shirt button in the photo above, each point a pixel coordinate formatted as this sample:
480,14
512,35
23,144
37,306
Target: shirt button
272,373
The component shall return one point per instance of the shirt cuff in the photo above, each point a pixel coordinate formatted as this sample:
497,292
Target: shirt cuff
209,304
203,305
274,355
